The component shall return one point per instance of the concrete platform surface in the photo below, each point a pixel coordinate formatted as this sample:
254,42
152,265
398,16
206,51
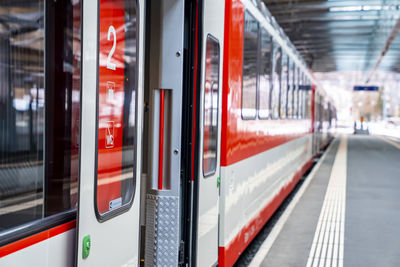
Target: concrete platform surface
349,215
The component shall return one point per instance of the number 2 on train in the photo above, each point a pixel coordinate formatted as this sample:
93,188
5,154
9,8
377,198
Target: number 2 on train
111,30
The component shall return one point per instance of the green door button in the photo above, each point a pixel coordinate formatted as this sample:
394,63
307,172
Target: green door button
86,247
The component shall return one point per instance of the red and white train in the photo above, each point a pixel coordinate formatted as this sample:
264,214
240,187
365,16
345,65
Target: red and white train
158,133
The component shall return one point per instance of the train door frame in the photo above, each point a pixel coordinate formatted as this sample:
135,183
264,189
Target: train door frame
190,129
206,208
98,241
164,84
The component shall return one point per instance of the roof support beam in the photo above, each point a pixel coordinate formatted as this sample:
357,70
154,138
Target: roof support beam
334,16
311,5
385,49
328,32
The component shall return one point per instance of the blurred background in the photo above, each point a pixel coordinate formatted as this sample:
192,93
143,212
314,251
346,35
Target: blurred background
348,44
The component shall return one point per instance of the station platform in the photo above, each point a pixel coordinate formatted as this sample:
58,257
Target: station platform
348,210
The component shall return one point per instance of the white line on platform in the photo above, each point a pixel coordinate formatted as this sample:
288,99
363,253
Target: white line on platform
272,236
328,244
390,141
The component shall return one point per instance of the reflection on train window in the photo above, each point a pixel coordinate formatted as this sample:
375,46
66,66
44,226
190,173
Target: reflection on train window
210,120
116,107
276,73
265,75
39,110
284,87
290,89
250,51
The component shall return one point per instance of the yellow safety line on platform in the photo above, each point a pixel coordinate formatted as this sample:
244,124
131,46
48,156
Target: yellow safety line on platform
273,235
328,244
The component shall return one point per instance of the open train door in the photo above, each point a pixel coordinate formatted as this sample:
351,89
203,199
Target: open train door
111,119
208,178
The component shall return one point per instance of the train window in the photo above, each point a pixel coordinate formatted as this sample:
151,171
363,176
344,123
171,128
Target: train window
298,94
301,96
295,92
284,87
116,142
39,110
276,73
307,104
290,88
329,115
304,98
250,51
210,120
264,75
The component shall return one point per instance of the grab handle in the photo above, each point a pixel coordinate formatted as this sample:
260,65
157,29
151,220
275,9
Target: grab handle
161,138
161,141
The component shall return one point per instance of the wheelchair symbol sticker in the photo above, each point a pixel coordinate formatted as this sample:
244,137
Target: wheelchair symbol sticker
110,134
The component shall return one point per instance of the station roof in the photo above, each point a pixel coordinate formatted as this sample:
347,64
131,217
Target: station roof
342,35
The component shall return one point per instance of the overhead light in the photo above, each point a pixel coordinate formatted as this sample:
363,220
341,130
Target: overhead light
345,8
363,8
370,8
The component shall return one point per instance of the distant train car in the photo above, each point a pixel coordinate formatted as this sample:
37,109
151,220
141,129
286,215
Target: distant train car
163,133
324,123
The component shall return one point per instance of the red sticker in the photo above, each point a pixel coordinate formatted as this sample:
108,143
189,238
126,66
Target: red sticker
111,102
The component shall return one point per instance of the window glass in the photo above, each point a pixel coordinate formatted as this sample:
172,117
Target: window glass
276,85
295,92
307,104
301,96
39,109
329,115
284,87
265,75
210,120
290,88
304,98
116,106
317,112
250,51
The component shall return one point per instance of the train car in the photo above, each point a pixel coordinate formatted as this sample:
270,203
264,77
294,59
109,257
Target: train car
324,123
266,125
156,133
71,86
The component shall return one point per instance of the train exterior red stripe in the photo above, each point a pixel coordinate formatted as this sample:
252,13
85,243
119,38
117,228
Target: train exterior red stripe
229,254
233,62
34,239
241,139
